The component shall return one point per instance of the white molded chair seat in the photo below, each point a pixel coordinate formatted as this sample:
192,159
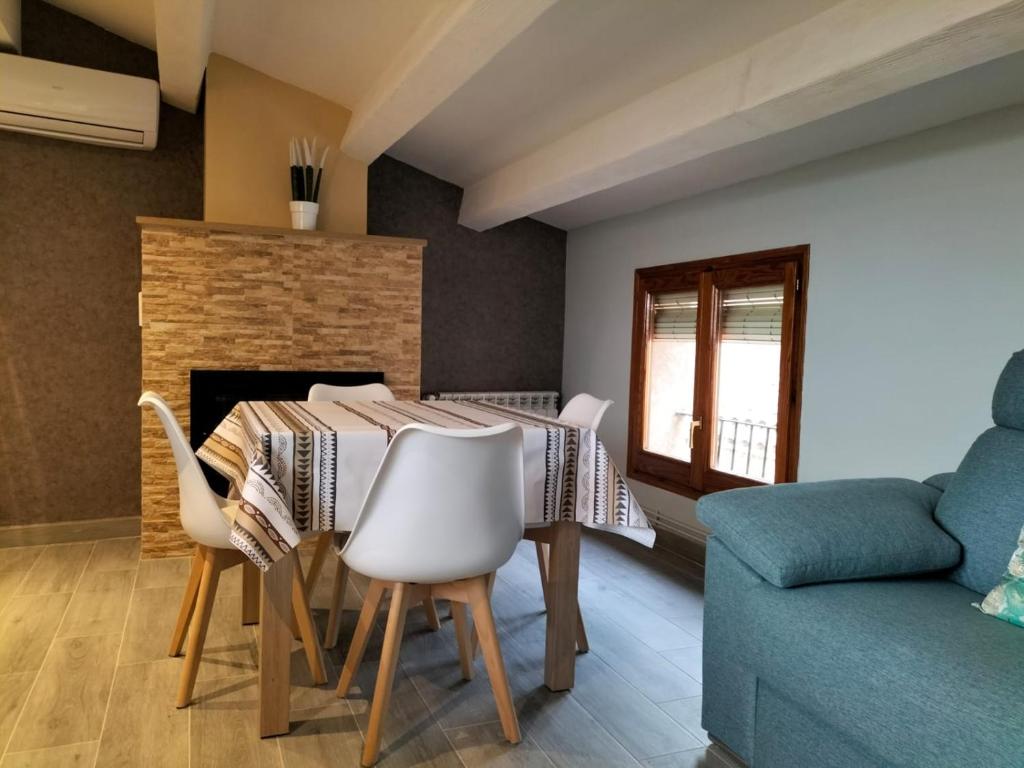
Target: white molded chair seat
207,518
445,504
330,393
585,411
443,513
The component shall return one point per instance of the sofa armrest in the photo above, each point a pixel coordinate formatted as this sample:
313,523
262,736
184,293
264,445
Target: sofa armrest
939,481
802,533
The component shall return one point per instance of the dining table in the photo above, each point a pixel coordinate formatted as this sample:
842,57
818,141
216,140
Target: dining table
299,469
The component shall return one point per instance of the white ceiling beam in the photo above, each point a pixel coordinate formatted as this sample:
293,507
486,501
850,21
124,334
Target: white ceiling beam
848,55
184,29
446,50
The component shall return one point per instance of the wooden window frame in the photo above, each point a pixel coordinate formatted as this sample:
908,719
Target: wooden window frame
693,479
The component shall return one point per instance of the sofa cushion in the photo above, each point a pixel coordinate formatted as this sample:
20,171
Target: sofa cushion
788,736
911,663
1008,399
803,533
906,669
939,481
983,507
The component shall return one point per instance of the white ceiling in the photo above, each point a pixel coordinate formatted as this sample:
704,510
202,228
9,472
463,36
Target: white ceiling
970,92
503,104
580,60
335,49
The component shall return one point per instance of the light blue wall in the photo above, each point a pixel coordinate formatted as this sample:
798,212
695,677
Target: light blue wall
915,301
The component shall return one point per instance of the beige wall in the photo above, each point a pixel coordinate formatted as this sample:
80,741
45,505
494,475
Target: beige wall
249,119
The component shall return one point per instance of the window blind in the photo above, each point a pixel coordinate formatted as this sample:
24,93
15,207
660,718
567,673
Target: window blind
675,316
752,314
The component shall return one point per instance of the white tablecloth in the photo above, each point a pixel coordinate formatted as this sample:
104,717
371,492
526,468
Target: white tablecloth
306,467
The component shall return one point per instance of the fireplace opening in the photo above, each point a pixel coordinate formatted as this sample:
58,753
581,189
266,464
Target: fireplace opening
213,393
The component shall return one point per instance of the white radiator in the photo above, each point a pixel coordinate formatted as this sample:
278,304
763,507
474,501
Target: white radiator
672,524
543,403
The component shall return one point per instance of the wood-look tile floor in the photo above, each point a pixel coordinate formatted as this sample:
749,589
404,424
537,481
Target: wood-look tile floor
85,679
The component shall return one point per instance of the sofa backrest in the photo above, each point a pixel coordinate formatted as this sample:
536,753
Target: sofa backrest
983,505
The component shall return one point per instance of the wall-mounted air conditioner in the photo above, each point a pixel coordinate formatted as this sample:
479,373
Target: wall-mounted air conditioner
78,104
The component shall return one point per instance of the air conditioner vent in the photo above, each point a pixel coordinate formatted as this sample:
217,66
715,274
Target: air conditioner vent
78,104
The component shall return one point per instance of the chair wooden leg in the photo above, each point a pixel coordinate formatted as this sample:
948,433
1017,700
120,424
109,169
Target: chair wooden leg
371,604
543,555
431,610
480,603
200,623
323,548
582,644
489,578
296,631
462,635
386,672
188,602
307,629
337,604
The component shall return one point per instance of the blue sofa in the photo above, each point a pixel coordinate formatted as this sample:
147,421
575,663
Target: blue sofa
839,630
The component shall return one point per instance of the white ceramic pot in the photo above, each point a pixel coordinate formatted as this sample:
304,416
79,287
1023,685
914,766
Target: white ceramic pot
303,214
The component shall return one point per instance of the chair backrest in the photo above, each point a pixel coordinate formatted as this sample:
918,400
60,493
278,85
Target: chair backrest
201,515
982,506
585,411
445,504
327,392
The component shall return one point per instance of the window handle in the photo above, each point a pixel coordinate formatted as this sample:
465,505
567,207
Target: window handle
694,426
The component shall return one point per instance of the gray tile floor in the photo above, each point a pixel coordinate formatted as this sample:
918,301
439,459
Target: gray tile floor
85,680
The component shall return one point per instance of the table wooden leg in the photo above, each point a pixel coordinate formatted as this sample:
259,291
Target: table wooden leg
250,593
563,582
275,641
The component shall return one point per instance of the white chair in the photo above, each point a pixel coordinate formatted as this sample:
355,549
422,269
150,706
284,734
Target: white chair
337,394
328,393
585,411
582,411
207,519
444,512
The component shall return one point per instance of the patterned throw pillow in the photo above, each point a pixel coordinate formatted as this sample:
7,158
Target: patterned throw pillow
1006,600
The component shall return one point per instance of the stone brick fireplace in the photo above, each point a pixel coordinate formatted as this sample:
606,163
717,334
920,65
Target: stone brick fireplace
232,297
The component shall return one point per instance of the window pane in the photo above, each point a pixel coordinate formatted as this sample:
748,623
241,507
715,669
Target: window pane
749,353
670,378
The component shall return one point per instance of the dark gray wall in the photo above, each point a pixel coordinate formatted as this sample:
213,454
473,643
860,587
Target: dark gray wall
69,274
493,302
